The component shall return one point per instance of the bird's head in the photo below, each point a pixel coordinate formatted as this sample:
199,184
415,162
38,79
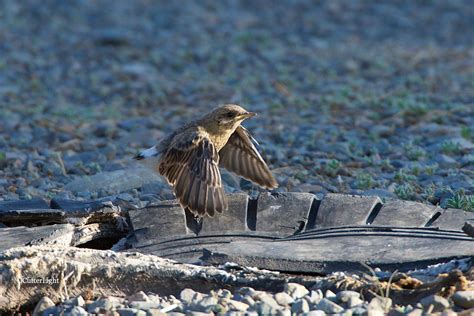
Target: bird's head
230,115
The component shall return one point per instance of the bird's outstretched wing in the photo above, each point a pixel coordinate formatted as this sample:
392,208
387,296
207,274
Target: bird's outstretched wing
240,156
191,166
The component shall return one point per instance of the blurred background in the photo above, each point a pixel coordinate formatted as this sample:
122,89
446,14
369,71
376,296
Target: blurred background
366,97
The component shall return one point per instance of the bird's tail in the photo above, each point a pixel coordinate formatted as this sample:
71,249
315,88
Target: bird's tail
147,153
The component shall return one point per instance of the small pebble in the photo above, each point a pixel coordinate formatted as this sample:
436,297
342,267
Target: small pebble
314,313
76,311
439,303
43,304
130,312
354,301
464,299
329,307
300,306
187,295
380,304
100,306
296,290
237,306
330,294
283,298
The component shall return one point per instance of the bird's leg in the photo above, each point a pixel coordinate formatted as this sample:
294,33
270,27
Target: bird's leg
193,221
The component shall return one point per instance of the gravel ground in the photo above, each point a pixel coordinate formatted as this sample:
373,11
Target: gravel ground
353,96
294,300
365,97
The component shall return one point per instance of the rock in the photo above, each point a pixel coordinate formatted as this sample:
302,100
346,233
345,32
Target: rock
259,294
194,313
283,312
237,313
267,305
283,298
206,304
415,312
113,182
439,303
314,313
43,304
237,306
139,296
248,300
445,160
37,204
329,307
380,304
224,293
464,299
105,129
359,311
344,296
76,301
144,305
52,311
100,306
463,143
155,312
153,187
111,37
315,296
268,298
450,312
330,295
296,290
130,312
265,309
76,311
250,313
354,301
300,306
187,295
54,168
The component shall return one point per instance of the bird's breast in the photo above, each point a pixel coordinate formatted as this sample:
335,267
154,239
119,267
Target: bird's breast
220,139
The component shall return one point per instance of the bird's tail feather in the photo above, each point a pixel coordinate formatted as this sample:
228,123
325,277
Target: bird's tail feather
150,152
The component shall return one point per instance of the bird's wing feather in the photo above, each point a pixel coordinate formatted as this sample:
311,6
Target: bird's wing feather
241,156
191,166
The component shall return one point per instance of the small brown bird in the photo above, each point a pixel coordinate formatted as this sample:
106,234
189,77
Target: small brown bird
189,158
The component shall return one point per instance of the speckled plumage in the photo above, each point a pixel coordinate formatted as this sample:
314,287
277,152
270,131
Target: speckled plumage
189,158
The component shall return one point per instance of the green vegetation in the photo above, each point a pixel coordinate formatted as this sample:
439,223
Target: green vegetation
410,108
462,201
402,176
365,181
414,152
430,169
467,133
450,148
405,191
428,193
332,168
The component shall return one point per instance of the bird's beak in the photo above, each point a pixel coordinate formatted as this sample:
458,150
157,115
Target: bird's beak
247,115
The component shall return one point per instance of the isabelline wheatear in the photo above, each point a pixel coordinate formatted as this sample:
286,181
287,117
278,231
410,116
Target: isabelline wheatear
189,158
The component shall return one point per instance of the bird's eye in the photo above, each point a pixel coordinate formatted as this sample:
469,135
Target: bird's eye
230,114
